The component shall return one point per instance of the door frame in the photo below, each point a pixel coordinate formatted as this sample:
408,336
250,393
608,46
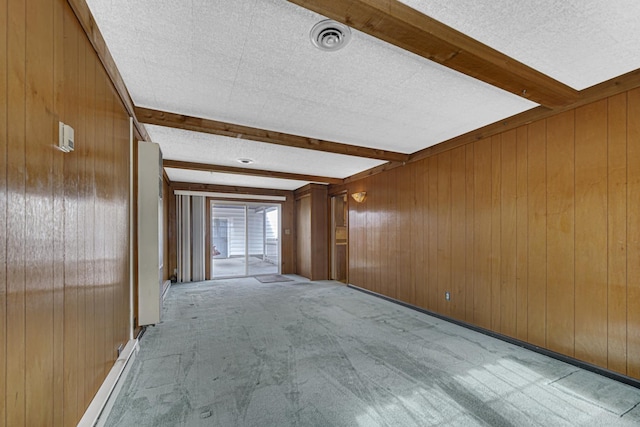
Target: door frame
332,234
210,201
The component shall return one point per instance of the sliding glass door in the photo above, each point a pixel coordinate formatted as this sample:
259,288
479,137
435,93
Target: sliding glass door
245,239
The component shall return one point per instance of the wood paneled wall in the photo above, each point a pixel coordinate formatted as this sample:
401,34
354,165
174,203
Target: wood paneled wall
303,236
535,233
312,239
64,218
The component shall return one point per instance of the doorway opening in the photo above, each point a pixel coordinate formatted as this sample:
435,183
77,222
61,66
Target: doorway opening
339,238
245,239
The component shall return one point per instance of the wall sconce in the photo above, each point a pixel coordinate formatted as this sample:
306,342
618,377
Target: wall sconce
359,197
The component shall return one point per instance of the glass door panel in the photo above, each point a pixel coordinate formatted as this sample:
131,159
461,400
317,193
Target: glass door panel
245,239
264,245
228,233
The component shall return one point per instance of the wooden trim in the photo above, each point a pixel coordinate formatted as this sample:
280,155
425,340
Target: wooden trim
606,89
90,27
603,90
175,164
409,29
373,171
307,189
197,124
190,186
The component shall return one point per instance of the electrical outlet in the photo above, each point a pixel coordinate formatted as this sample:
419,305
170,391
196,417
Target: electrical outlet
447,296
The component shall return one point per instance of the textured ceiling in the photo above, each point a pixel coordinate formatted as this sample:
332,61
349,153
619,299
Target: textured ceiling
180,175
578,42
251,63
199,147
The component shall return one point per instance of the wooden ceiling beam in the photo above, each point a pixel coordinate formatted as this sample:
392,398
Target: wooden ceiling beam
231,189
88,24
595,93
615,86
409,29
175,164
179,121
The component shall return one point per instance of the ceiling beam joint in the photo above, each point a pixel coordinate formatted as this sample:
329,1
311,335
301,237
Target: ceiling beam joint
411,30
175,164
196,124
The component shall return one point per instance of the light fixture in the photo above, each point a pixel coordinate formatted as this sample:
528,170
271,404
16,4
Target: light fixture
329,35
245,161
359,197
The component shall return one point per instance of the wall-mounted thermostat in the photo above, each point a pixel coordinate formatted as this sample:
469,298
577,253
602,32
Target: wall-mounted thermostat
65,140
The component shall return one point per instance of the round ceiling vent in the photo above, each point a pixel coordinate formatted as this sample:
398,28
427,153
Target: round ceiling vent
330,35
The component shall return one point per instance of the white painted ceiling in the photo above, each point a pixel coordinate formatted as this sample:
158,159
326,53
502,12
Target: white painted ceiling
251,63
217,178
578,42
188,146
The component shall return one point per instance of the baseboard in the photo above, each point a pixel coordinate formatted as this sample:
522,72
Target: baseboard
570,360
100,400
165,288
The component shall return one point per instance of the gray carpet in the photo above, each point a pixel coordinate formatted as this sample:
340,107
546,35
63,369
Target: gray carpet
240,353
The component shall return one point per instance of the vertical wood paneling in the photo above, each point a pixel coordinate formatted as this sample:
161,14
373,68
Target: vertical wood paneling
508,227
405,289
537,233
432,280
633,234
375,205
469,227
3,208
88,181
617,234
560,233
100,217
107,194
444,231
418,249
392,236
38,213
53,260
458,232
591,233
70,220
522,235
58,220
414,232
81,273
380,233
303,235
496,218
16,227
367,240
353,254
366,218
482,234
534,231
378,243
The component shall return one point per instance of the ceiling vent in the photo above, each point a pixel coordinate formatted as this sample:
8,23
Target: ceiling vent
329,35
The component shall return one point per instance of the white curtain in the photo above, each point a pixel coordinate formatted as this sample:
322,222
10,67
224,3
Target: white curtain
198,237
184,237
191,237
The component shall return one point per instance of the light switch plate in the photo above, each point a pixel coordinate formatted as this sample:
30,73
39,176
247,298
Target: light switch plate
65,137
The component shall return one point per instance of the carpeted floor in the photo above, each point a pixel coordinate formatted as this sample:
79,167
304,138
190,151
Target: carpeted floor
242,353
